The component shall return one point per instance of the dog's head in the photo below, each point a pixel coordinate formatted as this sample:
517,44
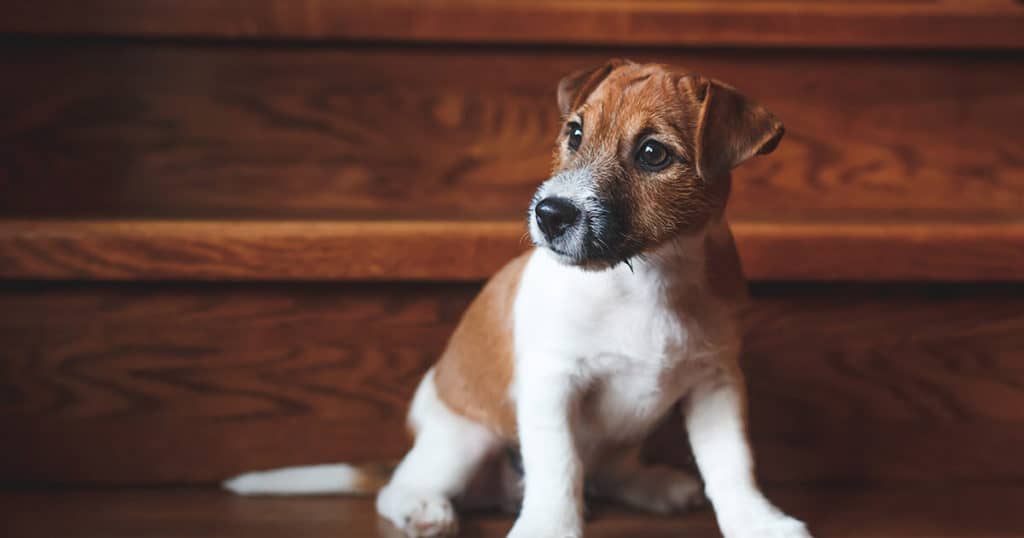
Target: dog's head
644,156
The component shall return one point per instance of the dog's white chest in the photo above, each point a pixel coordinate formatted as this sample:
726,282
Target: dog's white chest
618,333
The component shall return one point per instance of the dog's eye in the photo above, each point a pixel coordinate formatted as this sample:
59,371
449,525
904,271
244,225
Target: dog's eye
653,155
575,135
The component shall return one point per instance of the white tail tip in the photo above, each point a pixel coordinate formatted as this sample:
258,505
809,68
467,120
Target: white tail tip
304,480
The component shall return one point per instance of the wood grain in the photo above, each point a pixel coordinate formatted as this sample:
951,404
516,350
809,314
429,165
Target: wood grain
972,511
474,250
163,130
906,23
291,250
176,383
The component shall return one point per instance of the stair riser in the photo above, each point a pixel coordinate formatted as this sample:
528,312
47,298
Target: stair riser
231,131
188,383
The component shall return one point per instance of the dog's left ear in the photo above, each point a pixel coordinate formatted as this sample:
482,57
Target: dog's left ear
731,128
575,87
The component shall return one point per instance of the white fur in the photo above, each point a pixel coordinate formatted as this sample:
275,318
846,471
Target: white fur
714,419
633,342
445,456
304,480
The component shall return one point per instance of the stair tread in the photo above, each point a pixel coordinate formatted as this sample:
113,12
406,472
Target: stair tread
990,23
975,511
54,249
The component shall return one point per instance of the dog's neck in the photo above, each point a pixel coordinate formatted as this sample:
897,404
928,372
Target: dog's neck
677,260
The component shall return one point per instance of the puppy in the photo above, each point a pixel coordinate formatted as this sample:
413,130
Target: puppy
576,350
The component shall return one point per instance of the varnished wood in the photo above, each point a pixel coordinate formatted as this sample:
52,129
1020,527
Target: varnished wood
262,250
161,130
474,250
175,383
882,250
973,511
403,142
908,23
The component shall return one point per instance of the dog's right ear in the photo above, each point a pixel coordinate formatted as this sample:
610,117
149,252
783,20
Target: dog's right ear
575,87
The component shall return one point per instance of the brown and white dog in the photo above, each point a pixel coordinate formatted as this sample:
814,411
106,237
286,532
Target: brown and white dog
576,350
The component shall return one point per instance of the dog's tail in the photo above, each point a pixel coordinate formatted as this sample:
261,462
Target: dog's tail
335,478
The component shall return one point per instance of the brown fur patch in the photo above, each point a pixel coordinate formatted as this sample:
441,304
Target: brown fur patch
574,88
373,477
475,371
722,266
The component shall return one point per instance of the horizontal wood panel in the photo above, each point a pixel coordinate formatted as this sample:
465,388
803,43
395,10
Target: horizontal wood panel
908,23
293,250
191,383
965,511
474,250
204,131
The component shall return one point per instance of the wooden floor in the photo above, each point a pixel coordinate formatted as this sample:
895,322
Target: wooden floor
922,512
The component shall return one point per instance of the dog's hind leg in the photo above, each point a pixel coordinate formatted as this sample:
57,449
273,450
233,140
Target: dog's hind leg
447,453
621,476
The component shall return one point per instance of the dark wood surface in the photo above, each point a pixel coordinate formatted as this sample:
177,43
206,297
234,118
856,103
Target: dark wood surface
168,130
971,511
175,383
273,141
904,23
474,250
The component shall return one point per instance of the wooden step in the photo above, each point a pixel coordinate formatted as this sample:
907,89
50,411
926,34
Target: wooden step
473,250
975,511
185,383
905,23
294,250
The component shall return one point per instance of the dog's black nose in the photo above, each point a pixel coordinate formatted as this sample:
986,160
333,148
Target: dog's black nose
555,216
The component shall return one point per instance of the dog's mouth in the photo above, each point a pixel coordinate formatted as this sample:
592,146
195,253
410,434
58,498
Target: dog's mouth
589,252
565,255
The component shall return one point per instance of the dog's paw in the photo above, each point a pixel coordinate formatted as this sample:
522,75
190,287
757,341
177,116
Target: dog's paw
776,526
530,532
660,490
418,515
544,528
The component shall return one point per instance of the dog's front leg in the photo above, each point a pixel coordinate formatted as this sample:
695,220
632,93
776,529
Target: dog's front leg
553,488
715,419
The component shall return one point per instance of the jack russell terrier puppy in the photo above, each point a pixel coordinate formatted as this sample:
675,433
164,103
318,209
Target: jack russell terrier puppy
576,350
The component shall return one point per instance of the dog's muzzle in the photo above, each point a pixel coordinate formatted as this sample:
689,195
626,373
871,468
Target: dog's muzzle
568,218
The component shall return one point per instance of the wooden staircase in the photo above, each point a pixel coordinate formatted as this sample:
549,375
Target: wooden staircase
233,234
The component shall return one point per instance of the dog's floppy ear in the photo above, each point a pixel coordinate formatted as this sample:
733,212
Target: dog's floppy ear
731,128
575,87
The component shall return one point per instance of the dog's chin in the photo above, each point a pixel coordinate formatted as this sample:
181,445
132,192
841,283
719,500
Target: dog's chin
581,252
585,262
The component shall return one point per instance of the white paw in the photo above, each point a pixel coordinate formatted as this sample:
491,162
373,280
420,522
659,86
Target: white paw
538,528
529,532
769,527
418,515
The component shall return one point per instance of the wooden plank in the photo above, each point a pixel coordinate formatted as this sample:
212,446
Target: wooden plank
971,511
202,131
474,250
882,251
157,384
293,250
908,23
